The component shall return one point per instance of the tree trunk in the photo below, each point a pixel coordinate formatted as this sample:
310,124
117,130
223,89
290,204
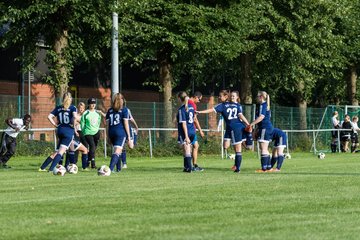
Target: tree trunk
245,84
352,86
62,78
301,101
165,79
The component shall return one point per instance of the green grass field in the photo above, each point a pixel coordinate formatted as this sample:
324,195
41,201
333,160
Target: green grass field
154,199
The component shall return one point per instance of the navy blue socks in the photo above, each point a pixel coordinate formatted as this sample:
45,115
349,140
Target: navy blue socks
238,159
114,160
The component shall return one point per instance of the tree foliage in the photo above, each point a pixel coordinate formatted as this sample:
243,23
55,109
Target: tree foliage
298,50
71,30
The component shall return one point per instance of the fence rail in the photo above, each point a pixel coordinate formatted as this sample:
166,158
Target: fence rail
314,142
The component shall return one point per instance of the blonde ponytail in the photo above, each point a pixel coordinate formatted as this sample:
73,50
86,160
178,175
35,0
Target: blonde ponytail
67,100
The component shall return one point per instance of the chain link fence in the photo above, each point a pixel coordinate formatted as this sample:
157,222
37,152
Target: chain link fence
149,117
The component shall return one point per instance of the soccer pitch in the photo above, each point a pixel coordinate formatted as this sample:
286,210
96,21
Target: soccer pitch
154,199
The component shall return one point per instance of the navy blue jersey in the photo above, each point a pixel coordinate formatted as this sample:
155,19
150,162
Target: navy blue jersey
262,110
188,117
65,117
115,119
230,112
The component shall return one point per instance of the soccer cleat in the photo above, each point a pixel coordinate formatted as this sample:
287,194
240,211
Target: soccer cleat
233,168
85,169
197,169
187,170
5,166
124,166
42,170
260,171
270,170
276,170
236,171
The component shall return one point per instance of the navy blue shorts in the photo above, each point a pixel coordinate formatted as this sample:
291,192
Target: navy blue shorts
234,135
65,135
264,135
280,141
192,137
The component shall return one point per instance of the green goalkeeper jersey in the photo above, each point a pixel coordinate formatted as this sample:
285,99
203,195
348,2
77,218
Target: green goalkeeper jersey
90,122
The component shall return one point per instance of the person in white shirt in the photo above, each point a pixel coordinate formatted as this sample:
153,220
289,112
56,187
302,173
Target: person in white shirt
8,142
334,134
354,135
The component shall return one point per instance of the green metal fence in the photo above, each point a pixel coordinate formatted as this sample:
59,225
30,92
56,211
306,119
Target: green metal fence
151,114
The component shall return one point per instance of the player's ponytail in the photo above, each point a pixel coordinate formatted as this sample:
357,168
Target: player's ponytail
116,102
67,100
266,98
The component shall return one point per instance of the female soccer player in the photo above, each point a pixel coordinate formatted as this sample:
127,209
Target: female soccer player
279,138
117,119
133,133
65,114
79,136
195,98
264,129
90,124
235,123
186,130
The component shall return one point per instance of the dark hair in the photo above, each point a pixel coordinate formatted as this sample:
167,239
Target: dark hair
27,116
182,95
196,94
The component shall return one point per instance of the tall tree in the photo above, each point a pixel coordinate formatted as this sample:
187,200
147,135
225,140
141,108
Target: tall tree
300,49
72,30
348,26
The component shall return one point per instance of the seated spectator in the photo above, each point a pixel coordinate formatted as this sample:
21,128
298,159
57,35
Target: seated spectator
345,136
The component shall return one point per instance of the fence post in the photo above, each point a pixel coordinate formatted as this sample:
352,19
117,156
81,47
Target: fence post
105,143
19,106
154,120
150,144
314,141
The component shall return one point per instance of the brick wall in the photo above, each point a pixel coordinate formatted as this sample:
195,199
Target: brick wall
43,102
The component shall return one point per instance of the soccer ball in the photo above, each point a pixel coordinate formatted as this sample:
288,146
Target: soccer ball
287,156
232,156
104,171
72,168
59,170
321,155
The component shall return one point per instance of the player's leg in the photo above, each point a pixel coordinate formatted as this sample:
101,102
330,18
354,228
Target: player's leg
118,142
187,157
238,157
195,150
123,158
274,156
115,158
281,157
92,147
11,148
